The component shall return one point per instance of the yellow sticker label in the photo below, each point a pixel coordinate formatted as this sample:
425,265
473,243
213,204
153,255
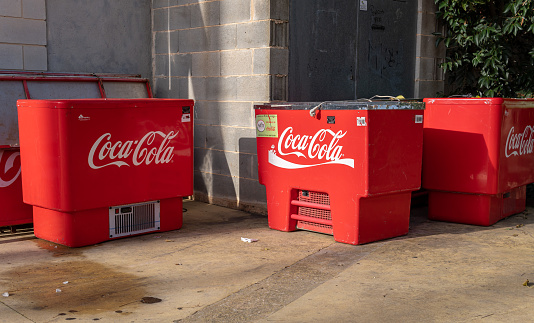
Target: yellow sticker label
267,125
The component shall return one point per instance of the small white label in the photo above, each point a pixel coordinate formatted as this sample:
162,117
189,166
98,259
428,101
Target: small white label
419,118
260,126
360,122
363,5
82,118
186,117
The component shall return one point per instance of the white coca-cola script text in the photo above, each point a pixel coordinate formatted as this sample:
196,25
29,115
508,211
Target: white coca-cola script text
323,146
9,165
521,143
131,152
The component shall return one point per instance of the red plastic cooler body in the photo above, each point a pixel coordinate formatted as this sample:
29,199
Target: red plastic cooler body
83,157
13,210
477,158
347,171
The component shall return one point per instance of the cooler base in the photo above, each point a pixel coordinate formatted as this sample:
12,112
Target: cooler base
477,209
88,227
351,219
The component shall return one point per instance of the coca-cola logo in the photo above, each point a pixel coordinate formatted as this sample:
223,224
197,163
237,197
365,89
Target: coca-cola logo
9,171
518,144
322,147
104,152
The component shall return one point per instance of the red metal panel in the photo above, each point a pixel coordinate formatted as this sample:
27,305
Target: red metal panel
14,211
83,156
348,160
478,154
87,227
102,152
516,144
461,144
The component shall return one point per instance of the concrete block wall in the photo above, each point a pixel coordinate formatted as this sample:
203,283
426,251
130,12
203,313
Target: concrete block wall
227,55
429,77
23,35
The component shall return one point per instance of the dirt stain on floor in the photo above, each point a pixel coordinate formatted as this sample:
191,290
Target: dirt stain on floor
58,250
77,285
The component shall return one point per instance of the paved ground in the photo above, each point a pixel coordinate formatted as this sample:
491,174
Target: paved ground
439,272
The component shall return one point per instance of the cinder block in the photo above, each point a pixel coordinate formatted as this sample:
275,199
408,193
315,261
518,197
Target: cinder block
278,88
172,18
193,88
254,34
235,11
279,34
166,87
205,14
428,24
255,167
200,136
11,8
236,114
180,65
227,138
34,9
236,62
221,88
217,186
271,9
223,37
156,4
428,89
208,39
22,31
253,88
428,47
35,58
427,69
251,191
271,61
200,186
11,57
166,42
206,64
428,6
218,162
245,164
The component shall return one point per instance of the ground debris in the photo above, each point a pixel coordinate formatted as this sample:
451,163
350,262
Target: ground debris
150,300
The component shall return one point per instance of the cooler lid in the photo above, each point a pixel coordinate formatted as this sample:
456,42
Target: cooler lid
361,104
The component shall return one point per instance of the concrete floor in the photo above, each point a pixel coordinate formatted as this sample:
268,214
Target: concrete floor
439,272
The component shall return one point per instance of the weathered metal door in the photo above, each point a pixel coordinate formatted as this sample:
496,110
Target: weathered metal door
347,49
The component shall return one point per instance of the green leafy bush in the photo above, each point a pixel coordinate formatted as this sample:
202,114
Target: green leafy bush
490,46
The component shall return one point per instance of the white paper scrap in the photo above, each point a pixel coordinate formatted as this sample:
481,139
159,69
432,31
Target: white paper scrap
248,240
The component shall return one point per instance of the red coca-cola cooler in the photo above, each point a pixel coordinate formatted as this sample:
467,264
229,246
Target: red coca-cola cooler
342,168
477,158
101,169
13,210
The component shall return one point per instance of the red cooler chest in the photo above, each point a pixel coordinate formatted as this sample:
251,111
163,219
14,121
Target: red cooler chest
477,158
342,168
13,210
100,169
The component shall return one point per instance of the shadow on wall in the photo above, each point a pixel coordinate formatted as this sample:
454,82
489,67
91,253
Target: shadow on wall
188,65
184,71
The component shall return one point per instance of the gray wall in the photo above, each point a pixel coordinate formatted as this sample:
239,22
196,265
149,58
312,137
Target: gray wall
429,77
226,55
99,36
